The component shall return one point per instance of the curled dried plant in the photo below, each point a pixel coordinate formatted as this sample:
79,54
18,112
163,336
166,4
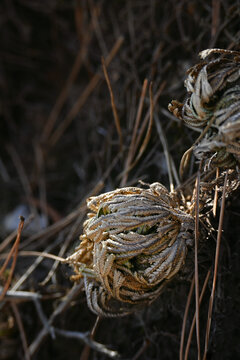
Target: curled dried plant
213,105
134,241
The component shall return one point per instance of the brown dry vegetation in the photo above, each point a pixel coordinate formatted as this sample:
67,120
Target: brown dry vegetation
61,140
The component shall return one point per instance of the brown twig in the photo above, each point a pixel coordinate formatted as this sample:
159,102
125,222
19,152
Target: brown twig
95,12
12,236
194,317
13,252
185,319
215,19
197,186
146,118
149,129
220,226
114,109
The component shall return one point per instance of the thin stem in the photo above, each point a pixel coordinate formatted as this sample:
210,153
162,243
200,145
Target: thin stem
197,186
14,253
220,225
114,109
194,317
185,319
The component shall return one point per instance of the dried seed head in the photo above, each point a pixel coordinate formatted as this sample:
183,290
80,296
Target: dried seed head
134,241
214,105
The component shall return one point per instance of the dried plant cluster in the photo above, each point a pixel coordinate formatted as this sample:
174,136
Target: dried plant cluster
134,241
213,106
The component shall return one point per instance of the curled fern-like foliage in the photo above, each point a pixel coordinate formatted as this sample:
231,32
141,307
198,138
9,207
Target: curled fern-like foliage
213,106
134,241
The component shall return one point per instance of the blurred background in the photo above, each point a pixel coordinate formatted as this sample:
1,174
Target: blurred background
67,133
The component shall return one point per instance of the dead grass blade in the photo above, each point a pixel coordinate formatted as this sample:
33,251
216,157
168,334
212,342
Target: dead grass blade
215,19
220,226
149,129
114,109
147,116
13,253
197,188
194,317
185,319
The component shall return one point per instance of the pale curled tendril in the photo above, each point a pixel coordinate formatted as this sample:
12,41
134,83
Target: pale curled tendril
214,98
134,241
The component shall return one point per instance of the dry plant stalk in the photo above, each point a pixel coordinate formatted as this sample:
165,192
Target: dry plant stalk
13,253
213,105
134,241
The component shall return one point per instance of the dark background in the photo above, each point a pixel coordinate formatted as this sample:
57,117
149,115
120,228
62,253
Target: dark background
50,60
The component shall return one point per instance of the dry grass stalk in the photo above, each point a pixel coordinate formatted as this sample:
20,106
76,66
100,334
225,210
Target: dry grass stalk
114,108
13,253
220,226
194,318
185,318
196,233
